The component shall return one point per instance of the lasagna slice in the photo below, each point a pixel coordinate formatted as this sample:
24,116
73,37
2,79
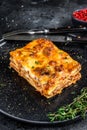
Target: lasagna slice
46,67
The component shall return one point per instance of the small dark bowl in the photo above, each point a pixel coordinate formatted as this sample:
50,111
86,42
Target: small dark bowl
79,17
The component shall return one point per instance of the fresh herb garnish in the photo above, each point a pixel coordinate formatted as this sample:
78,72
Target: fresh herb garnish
32,67
78,107
37,62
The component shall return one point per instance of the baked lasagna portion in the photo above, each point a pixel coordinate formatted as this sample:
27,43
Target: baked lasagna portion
46,67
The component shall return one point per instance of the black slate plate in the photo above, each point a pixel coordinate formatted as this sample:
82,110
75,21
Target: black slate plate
20,101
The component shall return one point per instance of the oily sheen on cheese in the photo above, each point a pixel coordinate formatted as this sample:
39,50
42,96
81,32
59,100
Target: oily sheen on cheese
47,68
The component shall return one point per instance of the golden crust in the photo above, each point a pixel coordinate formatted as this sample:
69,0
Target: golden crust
46,67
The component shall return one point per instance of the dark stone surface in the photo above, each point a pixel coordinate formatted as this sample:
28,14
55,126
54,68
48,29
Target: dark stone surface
25,14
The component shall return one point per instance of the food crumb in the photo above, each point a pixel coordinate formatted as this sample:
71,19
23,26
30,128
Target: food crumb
12,20
22,6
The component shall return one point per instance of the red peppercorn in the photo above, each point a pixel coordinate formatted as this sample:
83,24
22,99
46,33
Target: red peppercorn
81,14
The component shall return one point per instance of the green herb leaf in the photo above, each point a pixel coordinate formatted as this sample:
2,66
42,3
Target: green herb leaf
36,62
32,67
70,111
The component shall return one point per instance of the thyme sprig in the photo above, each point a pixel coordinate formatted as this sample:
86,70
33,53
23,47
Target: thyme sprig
78,107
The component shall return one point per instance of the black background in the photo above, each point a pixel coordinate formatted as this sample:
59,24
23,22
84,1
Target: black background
25,14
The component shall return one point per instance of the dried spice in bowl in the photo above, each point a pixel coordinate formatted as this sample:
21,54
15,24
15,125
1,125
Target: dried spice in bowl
79,17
